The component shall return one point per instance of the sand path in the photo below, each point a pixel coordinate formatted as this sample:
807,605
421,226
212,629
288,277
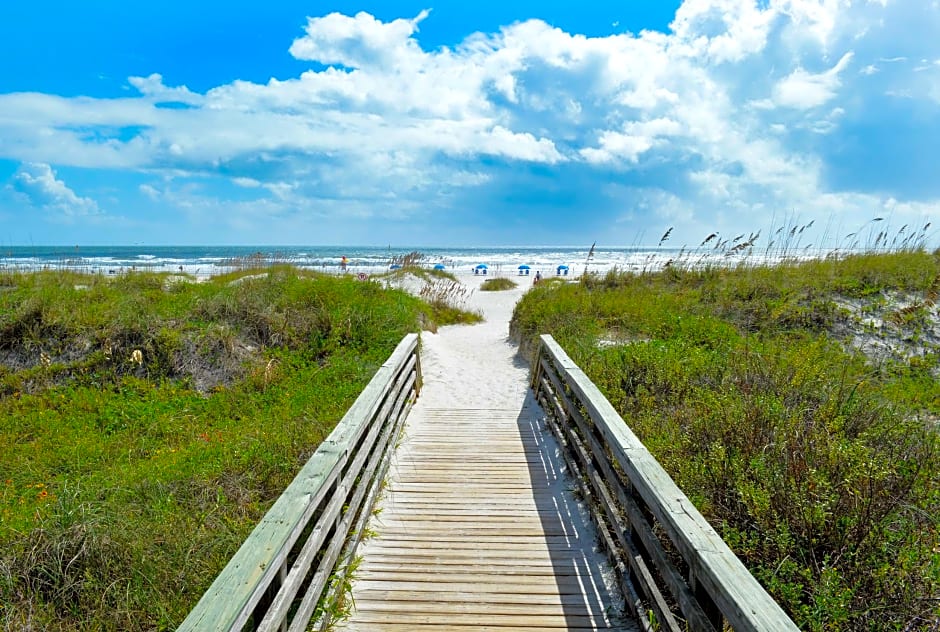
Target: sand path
477,528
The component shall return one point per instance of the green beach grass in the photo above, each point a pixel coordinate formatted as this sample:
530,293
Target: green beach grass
147,422
498,284
816,457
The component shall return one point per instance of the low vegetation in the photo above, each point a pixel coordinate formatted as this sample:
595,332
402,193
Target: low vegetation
756,387
147,422
498,284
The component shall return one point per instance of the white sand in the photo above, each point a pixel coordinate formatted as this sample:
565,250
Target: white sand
481,357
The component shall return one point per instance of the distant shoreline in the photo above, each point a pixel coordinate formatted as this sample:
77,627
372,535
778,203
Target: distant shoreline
207,261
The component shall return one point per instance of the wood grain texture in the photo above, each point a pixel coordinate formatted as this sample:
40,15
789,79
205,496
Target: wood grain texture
263,559
478,530
742,601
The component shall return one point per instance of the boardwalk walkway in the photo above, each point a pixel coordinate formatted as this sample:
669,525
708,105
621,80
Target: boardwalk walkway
478,529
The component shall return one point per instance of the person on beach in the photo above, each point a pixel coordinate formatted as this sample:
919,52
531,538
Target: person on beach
538,277
342,263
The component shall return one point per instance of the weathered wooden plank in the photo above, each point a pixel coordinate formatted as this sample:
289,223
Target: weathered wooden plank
448,530
520,555
741,599
590,452
519,551
518,488
502,431
450,506
378,438
497,567
469,596
560,545
449,541
357,468
470,478
477,627
490,468
478,578
561,622
377,470
443,608
582,467
229,602
392,559
543,588
506,514
523,553
473,531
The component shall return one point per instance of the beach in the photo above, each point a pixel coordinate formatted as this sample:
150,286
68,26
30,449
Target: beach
475,405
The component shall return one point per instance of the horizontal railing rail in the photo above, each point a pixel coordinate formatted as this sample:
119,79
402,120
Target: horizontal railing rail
672,566
304,544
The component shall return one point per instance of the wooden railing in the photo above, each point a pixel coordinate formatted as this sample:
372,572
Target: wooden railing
672,566
298,554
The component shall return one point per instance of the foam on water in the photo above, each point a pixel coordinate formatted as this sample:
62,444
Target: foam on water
212,260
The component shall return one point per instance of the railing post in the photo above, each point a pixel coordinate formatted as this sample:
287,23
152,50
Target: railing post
281,571
705,601
717,588
537,368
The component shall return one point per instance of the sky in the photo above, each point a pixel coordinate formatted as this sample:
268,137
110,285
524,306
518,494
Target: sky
456,123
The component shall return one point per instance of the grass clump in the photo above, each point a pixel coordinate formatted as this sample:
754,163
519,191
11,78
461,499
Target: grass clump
816,461
146,426
447,299
498,284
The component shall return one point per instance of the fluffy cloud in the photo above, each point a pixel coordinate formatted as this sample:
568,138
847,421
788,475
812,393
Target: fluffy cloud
803,90
752,107
360,42
37,182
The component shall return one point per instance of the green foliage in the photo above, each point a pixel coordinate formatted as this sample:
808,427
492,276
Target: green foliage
441,274
446,299
820,467
128,480
498,284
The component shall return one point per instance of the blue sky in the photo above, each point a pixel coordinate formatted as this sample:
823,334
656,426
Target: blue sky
455,123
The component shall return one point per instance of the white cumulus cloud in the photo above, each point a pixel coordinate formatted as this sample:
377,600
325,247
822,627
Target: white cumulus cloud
804,90
360,41
39,184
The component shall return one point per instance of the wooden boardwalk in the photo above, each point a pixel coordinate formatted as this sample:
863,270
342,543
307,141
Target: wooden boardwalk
478,530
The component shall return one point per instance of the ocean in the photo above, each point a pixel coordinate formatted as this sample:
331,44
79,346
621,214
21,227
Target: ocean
204,261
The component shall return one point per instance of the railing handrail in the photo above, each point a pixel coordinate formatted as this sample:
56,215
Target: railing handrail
298,541
712,566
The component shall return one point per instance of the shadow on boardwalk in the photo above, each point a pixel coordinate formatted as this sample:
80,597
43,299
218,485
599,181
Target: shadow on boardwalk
479,529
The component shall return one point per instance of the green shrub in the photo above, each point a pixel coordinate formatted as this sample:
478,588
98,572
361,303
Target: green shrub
498,284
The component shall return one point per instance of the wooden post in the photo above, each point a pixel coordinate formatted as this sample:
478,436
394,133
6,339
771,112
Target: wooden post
725,589
256,586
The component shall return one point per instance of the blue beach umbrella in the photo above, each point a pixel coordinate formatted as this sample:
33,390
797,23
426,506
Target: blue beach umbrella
524,267
440,266
562,269
394,266
482,266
